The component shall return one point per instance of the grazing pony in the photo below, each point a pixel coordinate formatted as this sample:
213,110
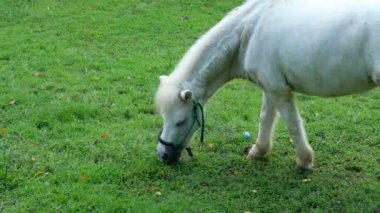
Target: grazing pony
315,47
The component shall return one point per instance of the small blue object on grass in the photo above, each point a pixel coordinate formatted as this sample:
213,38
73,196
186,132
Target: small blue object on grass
246,136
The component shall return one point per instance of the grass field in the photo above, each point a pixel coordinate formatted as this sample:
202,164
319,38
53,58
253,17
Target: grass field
78,125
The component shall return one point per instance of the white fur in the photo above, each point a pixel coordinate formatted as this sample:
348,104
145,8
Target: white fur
316,47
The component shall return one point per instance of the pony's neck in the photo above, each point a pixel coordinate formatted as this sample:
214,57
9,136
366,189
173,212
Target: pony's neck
205,83
213,66
215,58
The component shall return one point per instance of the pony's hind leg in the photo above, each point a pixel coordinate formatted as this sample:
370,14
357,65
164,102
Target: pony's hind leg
285,104
264,141
376,76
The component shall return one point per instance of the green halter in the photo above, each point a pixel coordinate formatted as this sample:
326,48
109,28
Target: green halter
201,123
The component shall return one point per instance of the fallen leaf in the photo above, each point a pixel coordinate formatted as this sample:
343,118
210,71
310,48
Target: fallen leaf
236,172
85,179
104,136
39,173
39,74
306,180
12,102
3,132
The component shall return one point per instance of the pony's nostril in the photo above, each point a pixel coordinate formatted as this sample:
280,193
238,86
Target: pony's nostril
169,159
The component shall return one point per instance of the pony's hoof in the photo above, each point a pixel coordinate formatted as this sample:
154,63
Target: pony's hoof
256,154
305,164
306,167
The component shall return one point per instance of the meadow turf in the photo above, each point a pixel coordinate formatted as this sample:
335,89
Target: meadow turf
78,125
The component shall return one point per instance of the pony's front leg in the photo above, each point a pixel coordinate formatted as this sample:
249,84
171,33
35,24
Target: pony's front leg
264,142
286,106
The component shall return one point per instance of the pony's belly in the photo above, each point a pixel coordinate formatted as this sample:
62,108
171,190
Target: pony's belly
332,87
333,93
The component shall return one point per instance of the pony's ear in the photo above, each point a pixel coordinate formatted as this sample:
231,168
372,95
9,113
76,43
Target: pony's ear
163,78
186,95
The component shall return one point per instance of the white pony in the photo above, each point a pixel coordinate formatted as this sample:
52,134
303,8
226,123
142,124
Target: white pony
316,47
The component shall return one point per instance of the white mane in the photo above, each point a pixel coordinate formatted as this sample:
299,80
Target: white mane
209,54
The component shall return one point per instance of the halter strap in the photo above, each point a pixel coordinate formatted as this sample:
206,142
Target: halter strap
201,123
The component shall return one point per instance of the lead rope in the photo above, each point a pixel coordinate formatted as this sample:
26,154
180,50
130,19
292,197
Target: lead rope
201,124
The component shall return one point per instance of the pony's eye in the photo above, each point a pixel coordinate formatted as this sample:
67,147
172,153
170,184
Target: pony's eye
181,123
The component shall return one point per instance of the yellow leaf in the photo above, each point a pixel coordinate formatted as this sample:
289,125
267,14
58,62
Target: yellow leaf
104,136
3,132
85,179
39,173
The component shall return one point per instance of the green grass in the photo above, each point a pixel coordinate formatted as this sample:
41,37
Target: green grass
78,125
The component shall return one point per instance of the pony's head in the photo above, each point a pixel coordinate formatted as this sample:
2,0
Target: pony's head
182,116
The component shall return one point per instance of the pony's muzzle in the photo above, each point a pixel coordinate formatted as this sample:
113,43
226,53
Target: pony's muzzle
167,154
